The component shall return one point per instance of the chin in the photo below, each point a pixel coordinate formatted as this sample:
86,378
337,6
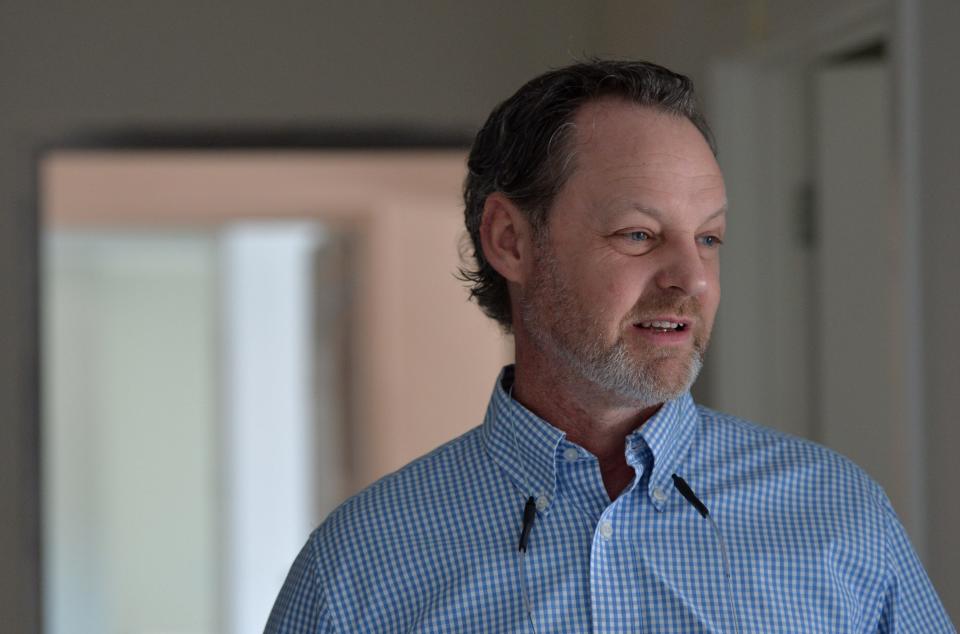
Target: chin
668,379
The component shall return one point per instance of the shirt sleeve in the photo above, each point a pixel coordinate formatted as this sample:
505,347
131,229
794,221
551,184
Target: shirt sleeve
910,603
301,606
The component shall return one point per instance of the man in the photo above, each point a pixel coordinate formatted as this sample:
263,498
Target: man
596,497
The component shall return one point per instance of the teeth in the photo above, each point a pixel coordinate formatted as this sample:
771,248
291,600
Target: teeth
660,324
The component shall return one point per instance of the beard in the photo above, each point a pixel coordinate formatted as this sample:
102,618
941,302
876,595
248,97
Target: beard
569,333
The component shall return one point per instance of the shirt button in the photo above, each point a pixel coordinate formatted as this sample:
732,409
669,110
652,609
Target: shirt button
606,529
659,495
542,502
570,454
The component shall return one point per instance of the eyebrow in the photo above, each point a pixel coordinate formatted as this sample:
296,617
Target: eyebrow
658,215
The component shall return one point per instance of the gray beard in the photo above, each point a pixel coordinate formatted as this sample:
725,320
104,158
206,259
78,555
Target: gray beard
615,371
547,313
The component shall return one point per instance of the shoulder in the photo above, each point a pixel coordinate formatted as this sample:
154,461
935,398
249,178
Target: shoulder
387,550
416,510
822,506
371,565
819,513
418,493
726,432
753,454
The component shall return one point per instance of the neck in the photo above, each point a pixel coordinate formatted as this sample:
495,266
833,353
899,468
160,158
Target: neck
590,416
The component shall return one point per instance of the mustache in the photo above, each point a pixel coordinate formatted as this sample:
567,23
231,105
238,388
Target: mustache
653,307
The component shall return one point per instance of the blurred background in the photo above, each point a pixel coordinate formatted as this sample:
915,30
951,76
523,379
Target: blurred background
229,234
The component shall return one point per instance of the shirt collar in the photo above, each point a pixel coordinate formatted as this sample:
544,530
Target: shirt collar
528,447
668,435
522,443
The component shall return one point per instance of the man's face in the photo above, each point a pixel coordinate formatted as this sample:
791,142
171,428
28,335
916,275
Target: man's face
625,285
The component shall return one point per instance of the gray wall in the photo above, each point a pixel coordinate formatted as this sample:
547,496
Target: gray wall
939,102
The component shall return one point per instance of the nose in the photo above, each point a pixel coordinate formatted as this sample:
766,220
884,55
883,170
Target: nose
682,269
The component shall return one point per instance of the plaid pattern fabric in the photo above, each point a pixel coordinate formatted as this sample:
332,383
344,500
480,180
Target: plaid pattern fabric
811,543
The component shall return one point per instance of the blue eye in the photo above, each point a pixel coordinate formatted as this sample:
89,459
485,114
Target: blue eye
711,241
638,236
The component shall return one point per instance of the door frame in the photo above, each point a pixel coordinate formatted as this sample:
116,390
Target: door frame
384,198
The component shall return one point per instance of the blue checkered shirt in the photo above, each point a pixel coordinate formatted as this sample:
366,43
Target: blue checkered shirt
798,539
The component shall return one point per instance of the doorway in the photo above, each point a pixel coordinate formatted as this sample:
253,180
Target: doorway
235,341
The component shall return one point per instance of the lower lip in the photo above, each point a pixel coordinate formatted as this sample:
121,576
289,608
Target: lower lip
664,337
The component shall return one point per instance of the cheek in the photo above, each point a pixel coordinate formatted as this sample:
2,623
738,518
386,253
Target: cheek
619,290
599,294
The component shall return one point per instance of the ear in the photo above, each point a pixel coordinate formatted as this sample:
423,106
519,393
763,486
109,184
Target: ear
505,235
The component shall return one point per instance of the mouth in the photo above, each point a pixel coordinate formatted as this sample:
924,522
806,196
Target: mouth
662,325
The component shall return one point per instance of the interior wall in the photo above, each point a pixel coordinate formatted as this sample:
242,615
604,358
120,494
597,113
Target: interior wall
70,68
686,35
939,161
78,68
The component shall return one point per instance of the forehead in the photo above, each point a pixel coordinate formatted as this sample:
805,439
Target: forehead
620,149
